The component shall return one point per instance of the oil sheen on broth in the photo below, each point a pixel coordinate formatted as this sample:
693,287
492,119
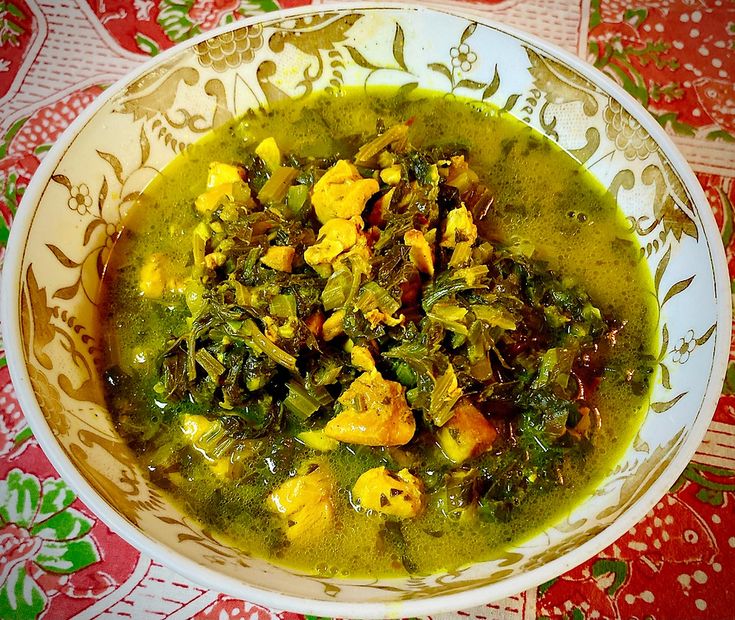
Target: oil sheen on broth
544,205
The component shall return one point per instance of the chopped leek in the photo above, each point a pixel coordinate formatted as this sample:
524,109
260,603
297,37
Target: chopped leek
296,199
283,306
211,364
278,355
373,296
276,187
494,316
444,396
396,135
336,290
299,401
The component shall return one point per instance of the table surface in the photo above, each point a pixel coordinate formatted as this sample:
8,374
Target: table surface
677,57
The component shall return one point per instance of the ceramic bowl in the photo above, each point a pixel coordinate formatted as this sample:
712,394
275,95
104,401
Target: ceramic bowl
75,205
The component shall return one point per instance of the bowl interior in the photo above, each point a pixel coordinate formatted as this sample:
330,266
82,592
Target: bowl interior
75,206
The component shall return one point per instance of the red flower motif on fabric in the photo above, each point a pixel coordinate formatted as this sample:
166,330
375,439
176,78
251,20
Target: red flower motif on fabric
208,13
17,546
150,26
236,609
15,435
667,566
16,37
675,56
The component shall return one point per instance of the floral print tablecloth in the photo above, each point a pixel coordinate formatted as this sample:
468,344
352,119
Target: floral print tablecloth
677,57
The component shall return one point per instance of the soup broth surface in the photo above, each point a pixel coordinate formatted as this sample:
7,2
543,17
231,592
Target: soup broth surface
544,205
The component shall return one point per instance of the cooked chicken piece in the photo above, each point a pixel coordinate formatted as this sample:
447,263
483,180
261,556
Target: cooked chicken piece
304,504
397,494
460,175
375,317
362,358
391,175
468,433
375,413
335,237
333,326
279,257
156,279
341,192
208,201
420,252
459,227
220,174
269,152
215,259
221,182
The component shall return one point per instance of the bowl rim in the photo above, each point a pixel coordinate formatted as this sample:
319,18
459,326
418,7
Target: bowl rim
10,318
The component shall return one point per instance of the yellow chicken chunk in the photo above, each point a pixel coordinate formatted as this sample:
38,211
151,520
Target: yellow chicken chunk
460,175
391,175
220,174
357,257
468,433
269,152
362,358
341,192
397,494
154,277
420,252
215,259
279,257
335,237
305,505
333,326
208,201
195,426
375,413
459,227
375,317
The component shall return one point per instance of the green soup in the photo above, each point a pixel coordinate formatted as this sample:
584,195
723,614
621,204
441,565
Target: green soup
449,366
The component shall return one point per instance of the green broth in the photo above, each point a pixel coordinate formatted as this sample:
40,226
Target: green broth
541,196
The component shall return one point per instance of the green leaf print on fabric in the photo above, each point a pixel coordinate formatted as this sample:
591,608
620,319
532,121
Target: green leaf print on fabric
40,534
21,597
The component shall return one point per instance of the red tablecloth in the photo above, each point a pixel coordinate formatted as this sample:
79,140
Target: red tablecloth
677,57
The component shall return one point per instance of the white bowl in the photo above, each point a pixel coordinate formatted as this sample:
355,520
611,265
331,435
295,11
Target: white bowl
73,207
